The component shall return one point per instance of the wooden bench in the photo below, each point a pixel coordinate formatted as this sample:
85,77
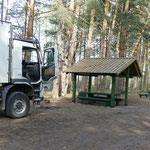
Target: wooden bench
143,94
89,96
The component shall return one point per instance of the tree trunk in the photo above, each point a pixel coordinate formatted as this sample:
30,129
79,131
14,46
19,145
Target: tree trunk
78,42
74,33
87,53
104,30
65,77
31,19
119,81
138,56
26,16
6,10
146,68
124,32
102,83
142,65
118,37
135,83
60,55
90,33
96,84
111,30
57,83
76,48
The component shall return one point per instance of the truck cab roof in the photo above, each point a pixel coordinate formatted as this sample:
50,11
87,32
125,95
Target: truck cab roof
23,43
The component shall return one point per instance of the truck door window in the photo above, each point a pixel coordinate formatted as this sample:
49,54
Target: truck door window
30,56
30,64
48,70
49,58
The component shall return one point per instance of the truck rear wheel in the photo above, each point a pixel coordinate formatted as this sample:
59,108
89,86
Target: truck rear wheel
17,105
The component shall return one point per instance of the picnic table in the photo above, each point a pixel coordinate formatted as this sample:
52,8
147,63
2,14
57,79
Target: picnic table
93,97
102,94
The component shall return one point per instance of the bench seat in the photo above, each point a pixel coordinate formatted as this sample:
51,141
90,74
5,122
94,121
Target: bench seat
143,94
94,99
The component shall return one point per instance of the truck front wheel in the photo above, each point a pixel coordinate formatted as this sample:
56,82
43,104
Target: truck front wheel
17,105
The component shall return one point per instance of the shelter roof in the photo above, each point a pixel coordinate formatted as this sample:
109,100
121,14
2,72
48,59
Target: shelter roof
106,66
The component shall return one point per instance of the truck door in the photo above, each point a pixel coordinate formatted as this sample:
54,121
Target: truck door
49,69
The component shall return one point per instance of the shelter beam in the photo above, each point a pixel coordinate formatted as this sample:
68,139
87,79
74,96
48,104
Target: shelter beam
74,88
113,91
90,84
126,88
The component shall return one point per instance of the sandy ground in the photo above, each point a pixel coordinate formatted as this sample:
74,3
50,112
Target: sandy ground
61,125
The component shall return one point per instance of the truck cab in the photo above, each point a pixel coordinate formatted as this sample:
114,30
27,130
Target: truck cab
24,72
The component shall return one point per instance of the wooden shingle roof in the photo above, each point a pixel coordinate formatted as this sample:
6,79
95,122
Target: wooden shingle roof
106,66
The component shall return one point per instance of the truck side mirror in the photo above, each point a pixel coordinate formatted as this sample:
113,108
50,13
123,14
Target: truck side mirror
48,69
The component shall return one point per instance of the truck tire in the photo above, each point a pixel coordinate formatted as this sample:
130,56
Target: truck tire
17,105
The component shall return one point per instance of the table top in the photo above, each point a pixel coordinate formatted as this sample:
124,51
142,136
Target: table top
99,93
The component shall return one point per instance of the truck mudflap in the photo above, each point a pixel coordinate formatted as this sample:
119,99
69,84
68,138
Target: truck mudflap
4,95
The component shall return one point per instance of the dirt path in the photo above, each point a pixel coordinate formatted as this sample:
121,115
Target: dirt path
62,125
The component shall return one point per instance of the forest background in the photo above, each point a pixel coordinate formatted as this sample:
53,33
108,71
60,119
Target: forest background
87,28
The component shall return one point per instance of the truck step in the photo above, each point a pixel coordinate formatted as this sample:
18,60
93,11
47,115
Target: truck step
37,90
38,99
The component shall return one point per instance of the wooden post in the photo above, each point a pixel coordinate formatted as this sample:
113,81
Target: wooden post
90,84
113,91
74,88
126,88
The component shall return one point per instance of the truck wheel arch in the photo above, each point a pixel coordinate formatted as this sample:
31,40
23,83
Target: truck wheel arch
25,88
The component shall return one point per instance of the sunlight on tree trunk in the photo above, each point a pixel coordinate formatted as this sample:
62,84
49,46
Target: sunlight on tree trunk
74,32
26,17
6,10
31,19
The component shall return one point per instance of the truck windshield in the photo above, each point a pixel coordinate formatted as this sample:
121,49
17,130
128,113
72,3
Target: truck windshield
29,55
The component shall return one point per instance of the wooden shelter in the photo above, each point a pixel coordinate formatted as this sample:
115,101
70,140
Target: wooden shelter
114,67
